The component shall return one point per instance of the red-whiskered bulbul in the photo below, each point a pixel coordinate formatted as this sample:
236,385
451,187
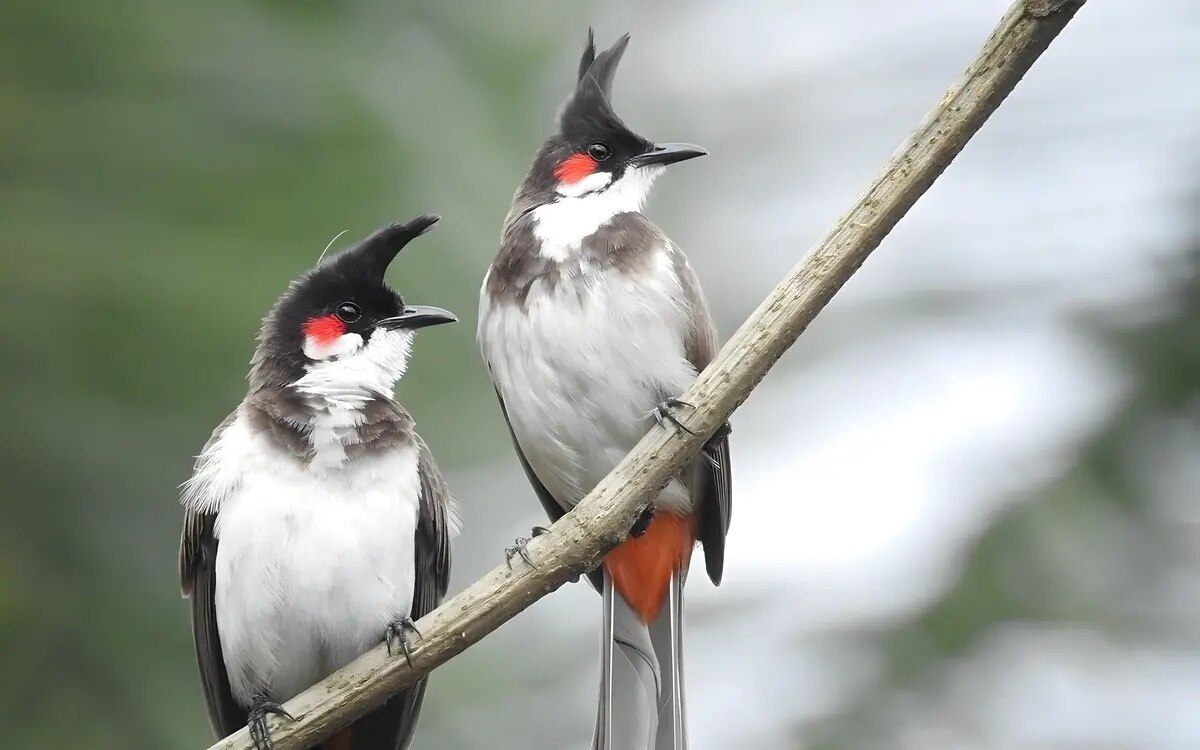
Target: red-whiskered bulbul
316,523
591,322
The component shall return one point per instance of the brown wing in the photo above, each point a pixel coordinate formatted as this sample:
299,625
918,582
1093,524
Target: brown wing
198,582
713,488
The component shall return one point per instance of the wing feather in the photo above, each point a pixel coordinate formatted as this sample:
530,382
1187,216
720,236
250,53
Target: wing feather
713,492
198,582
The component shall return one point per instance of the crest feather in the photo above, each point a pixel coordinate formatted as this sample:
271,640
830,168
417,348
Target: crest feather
589,55
589,103
604,67
376,252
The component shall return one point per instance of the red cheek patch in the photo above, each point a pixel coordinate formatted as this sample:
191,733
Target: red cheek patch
575,168
324,330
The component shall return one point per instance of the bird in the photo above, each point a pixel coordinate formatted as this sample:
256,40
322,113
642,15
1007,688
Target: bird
316,522
591,324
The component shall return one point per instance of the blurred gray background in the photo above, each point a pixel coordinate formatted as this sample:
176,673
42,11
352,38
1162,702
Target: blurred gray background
967,501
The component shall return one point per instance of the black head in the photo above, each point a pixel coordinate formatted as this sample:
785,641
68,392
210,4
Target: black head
335,310
593,149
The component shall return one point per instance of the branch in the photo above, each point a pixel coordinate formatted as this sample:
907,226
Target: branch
580,539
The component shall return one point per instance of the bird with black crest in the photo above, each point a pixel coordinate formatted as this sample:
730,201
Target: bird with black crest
316,522
592,323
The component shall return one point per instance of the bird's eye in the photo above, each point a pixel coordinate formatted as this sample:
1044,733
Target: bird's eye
349,312
599,151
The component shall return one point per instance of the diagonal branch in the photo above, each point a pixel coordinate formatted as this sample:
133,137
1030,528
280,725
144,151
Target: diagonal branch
581,538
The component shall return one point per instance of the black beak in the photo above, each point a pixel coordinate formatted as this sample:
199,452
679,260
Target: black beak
418,316
667,153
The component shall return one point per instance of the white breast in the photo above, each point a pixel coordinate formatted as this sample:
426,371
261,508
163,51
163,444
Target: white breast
313,561
582,364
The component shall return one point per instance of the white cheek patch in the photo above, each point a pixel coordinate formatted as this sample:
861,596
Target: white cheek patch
594,181
563,224
361,374
347,343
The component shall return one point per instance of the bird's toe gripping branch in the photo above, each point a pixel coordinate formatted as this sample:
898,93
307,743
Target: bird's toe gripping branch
643,522
665,412
256,721
519,547
397,632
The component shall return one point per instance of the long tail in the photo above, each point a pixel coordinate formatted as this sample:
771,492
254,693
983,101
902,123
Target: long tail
641,704
666,633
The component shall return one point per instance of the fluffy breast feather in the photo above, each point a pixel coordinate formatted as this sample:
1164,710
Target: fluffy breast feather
315,555
313,561
584,356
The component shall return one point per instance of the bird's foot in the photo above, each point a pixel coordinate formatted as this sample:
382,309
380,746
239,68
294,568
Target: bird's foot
665,412
256,721
397,632
519,545
643,522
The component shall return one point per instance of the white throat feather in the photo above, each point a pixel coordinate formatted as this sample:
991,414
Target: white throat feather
562,225
355,375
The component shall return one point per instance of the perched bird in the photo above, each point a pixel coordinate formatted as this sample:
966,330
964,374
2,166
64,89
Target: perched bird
316,523
591,323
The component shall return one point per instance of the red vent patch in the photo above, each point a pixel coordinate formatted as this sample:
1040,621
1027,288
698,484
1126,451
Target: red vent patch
324,330
575,168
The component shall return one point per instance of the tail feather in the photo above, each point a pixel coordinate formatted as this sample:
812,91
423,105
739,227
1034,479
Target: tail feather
601,738
666,634
389,727
641,704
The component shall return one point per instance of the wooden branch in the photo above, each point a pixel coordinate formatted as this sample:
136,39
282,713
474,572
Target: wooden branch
581,538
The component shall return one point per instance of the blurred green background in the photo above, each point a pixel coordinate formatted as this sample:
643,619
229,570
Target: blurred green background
966,503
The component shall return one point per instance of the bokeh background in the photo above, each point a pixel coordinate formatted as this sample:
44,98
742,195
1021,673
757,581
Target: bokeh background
968,501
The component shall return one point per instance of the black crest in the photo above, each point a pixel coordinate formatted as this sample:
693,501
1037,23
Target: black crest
354,275
589,55
589,110
586,118
373,255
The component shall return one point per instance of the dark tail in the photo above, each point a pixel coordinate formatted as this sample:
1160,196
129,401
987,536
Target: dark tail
389,727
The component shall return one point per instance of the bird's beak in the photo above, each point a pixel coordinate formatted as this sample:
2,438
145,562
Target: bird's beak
418,316
667,153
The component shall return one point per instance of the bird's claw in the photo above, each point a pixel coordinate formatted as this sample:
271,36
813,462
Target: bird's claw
398,631
256,721
663,413
643,522
518,548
